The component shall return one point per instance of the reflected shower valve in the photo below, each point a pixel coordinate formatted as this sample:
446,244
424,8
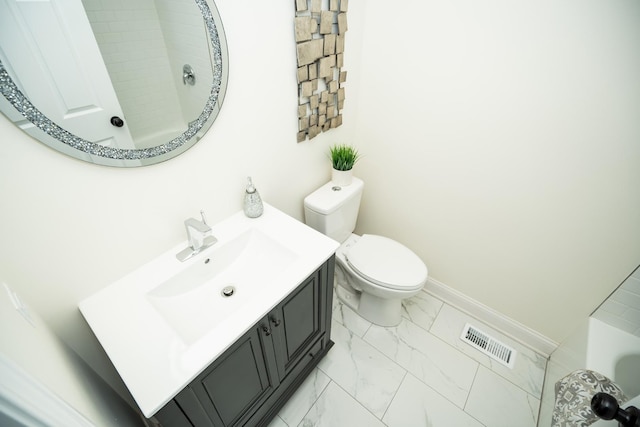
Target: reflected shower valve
188,76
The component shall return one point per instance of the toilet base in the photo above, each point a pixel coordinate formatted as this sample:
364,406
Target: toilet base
379,311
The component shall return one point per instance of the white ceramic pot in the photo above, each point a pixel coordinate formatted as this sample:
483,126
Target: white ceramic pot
341,178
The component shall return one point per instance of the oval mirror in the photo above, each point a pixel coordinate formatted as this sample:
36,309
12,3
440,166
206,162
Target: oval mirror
114,83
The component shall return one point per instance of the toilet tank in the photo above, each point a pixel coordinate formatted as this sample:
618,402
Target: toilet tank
333,210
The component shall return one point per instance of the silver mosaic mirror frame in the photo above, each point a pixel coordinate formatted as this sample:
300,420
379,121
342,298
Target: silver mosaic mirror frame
66,142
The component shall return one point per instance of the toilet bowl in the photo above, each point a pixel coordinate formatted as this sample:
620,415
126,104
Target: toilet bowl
373,273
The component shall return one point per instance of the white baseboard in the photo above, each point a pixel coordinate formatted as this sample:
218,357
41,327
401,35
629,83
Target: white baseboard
513,329
25,401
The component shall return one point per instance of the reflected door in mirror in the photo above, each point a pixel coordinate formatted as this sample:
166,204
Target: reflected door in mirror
61,70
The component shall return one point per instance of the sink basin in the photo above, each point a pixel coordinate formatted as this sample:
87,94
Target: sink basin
165,322
195,299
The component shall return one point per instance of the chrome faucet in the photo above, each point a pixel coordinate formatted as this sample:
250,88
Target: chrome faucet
199,236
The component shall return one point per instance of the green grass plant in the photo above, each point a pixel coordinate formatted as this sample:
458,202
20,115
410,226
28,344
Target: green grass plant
343,157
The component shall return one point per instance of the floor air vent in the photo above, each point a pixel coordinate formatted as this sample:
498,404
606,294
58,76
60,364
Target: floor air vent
488,345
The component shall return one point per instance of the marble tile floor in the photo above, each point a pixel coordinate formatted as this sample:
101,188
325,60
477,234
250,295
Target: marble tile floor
416,374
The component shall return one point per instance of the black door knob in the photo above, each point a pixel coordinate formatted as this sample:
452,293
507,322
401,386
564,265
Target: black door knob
606,407
117,121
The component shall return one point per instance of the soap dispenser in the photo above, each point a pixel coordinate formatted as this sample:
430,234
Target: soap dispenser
252,203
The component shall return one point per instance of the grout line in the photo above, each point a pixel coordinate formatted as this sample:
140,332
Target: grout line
368,344
314,402
439,313
364,341
488,359
475,376
446,398
367,330
475,351
407,372
442,303
359,403
316,399
469,395
442,395
434,317
396,392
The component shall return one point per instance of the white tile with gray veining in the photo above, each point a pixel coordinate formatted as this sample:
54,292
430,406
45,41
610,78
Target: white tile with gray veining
497,402
529,368
335,408
304,398
416,374
421,309
430,359
349,318
417,404
361,370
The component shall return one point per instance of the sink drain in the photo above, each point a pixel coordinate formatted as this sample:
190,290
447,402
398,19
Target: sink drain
227,291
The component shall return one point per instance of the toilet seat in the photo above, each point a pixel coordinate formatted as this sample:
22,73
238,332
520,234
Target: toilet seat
386,263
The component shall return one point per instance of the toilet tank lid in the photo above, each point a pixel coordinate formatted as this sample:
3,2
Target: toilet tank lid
387,262
329,197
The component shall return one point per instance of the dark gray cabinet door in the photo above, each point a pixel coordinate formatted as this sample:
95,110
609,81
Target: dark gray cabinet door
252,380
297,323
238,382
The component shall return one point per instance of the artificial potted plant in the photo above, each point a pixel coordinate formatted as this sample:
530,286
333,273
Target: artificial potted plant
343,157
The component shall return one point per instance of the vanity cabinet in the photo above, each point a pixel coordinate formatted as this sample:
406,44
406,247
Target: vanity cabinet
249,383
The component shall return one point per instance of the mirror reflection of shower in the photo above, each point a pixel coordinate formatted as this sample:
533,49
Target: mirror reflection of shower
607,342
621,310
144,47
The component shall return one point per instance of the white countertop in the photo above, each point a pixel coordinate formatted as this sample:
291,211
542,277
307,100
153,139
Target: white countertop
154,361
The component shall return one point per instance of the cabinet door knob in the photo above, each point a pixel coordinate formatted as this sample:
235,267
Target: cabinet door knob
276,322
266,330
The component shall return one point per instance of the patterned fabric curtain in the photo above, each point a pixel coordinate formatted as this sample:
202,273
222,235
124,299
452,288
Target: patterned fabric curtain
573,398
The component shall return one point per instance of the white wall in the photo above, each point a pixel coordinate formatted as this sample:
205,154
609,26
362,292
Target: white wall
507,137
30,347
69,228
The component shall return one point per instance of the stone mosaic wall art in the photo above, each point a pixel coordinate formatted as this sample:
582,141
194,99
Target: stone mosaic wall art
320,27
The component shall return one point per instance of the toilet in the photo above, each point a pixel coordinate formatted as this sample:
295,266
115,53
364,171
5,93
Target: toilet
373,273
